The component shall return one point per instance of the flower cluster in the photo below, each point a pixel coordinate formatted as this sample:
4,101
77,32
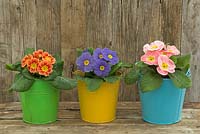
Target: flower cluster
158,54
39,62
100,62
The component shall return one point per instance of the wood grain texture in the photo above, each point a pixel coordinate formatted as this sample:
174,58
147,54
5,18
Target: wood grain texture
48,25
73,33
191,44
23,29
5,50
61,26
128,121
18,26
171,12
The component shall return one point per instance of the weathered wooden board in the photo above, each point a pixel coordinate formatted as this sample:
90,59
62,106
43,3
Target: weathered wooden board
73,36
128,121
191,44
5,50
61,26
17,32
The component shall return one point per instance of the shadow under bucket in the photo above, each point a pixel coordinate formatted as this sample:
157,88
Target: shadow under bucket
163,105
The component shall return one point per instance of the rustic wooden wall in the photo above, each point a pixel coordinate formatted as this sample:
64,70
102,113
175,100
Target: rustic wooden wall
60,26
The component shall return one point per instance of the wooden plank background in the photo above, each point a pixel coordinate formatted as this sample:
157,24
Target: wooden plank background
61,26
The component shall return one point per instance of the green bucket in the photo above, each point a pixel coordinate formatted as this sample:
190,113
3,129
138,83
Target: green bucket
40,103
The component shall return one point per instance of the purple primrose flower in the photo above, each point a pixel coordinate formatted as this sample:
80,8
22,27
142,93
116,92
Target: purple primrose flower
101,68
110,56
98,54
85,62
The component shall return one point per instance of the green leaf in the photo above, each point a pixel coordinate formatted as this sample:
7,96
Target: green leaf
146,69
27,74
14,67
180,79
111,79
78,77
52,76
115,68
79,51
90,50
183,61
21,84
57,71
186,68
150,81
92,83
174,59
57,57
29,51
140,64
17,76
63,83
58,67
131,77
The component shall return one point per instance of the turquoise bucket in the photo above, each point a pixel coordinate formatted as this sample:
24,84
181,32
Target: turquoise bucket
163,105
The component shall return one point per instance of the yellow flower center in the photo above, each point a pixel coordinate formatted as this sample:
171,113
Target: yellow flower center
100,56
164,53
40,55
33,65
154,46
151,58
86,62
45,68
102,68
47,58
110,56
164,66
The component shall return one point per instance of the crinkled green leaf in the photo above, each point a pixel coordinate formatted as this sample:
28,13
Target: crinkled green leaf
29,51
52,76
58,67
146,69
115,68
118,66
111,79
140,64
90,50
92,83
150,81
64,83
14,67
79,51
17,76
131,77
27,74
78,77
21,84
174,59
57,57
186,68
57,71
180,79
183,61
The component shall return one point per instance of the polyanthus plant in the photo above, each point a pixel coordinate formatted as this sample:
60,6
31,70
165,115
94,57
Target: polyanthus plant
39,65
96,66
160,61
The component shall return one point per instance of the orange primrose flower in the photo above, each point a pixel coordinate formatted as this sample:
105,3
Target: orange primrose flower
48,57
38,53
25,60
33,64
45,68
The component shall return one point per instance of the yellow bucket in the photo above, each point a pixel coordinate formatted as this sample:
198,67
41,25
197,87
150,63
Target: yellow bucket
98,106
